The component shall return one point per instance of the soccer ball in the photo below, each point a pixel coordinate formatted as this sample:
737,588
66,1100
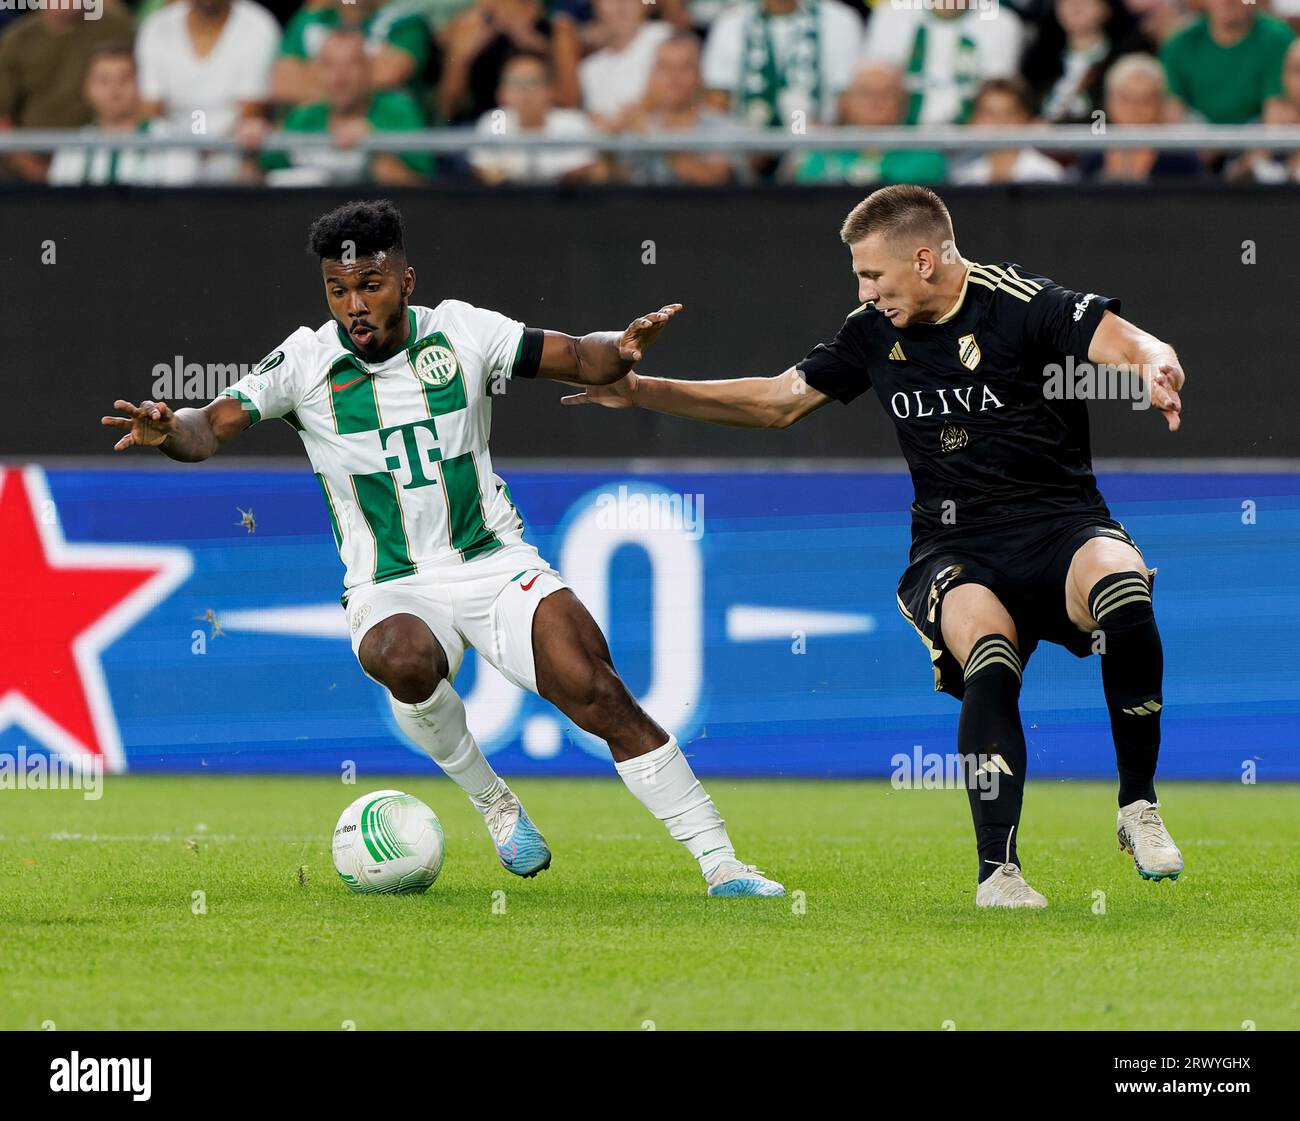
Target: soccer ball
388,842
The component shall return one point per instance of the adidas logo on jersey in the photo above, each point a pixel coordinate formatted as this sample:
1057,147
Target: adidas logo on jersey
897,355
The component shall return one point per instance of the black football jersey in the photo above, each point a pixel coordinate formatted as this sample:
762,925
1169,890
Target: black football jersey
983,440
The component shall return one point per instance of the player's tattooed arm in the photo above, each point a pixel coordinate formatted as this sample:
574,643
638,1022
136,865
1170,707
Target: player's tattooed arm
775,402
187,435
1117,342
603,356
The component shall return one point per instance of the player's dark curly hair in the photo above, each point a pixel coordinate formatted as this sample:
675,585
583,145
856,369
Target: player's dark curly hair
372,227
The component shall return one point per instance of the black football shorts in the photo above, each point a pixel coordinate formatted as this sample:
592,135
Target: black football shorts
1025,566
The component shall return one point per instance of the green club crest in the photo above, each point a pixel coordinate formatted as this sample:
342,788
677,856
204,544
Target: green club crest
436,365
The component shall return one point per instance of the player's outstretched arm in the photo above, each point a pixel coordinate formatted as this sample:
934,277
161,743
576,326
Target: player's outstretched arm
187,435
1117,342
603,356
775,402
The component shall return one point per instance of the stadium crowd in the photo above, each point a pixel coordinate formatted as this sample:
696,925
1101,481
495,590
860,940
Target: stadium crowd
586,69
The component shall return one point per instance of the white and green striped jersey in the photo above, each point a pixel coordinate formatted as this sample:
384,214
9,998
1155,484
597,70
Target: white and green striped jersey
400,448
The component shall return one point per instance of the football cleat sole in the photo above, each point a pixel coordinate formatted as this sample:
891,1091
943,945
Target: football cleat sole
734,889
1152,876
529,875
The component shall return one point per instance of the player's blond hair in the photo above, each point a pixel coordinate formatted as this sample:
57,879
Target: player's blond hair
904,211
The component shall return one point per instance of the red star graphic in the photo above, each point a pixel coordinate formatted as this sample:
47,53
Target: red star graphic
66,604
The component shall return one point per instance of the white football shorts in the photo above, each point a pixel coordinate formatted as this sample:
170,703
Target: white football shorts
487,603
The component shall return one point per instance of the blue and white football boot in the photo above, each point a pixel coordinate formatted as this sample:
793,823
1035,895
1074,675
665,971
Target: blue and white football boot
1144,837
520,846
732,878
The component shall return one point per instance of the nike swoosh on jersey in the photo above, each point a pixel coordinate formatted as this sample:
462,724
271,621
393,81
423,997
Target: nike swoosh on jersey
340,388
530,583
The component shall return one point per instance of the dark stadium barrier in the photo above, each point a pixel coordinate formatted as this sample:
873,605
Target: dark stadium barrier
753,613
118,292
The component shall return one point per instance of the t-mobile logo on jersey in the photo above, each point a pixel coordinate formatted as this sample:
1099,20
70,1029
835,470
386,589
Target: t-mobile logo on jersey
412,451
902,403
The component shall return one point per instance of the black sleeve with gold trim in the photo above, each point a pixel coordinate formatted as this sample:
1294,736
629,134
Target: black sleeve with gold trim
1059,319
839,368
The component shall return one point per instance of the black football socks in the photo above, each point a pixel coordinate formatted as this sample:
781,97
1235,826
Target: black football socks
1132,671
991,741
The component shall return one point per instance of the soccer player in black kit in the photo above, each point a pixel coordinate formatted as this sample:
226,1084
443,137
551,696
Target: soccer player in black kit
1012,543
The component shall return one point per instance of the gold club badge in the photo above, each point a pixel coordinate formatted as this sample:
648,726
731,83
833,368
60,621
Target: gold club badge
953,438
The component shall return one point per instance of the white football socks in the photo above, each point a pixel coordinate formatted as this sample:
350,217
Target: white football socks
661,780
664,783
437,726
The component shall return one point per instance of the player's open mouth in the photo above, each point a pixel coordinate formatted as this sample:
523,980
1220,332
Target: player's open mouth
363,334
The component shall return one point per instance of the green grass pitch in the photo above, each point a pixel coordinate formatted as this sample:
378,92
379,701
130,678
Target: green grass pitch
97,910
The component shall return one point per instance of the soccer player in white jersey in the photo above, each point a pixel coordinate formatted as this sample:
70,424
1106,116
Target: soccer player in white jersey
393,403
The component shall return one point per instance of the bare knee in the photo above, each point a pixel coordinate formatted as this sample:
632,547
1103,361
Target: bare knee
969,613
402,655
1096,559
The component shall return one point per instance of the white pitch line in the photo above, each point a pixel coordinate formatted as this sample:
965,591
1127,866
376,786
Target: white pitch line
163,838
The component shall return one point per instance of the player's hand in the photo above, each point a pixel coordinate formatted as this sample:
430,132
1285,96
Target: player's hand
1165,384
620,394
642,332
150,422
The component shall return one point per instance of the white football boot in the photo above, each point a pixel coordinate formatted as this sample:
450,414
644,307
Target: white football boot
1007,888
1144,837
733,878
520,846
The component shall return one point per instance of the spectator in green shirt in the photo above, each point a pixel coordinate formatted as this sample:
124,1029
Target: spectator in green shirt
1227,65
397,42
352,108
875,98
